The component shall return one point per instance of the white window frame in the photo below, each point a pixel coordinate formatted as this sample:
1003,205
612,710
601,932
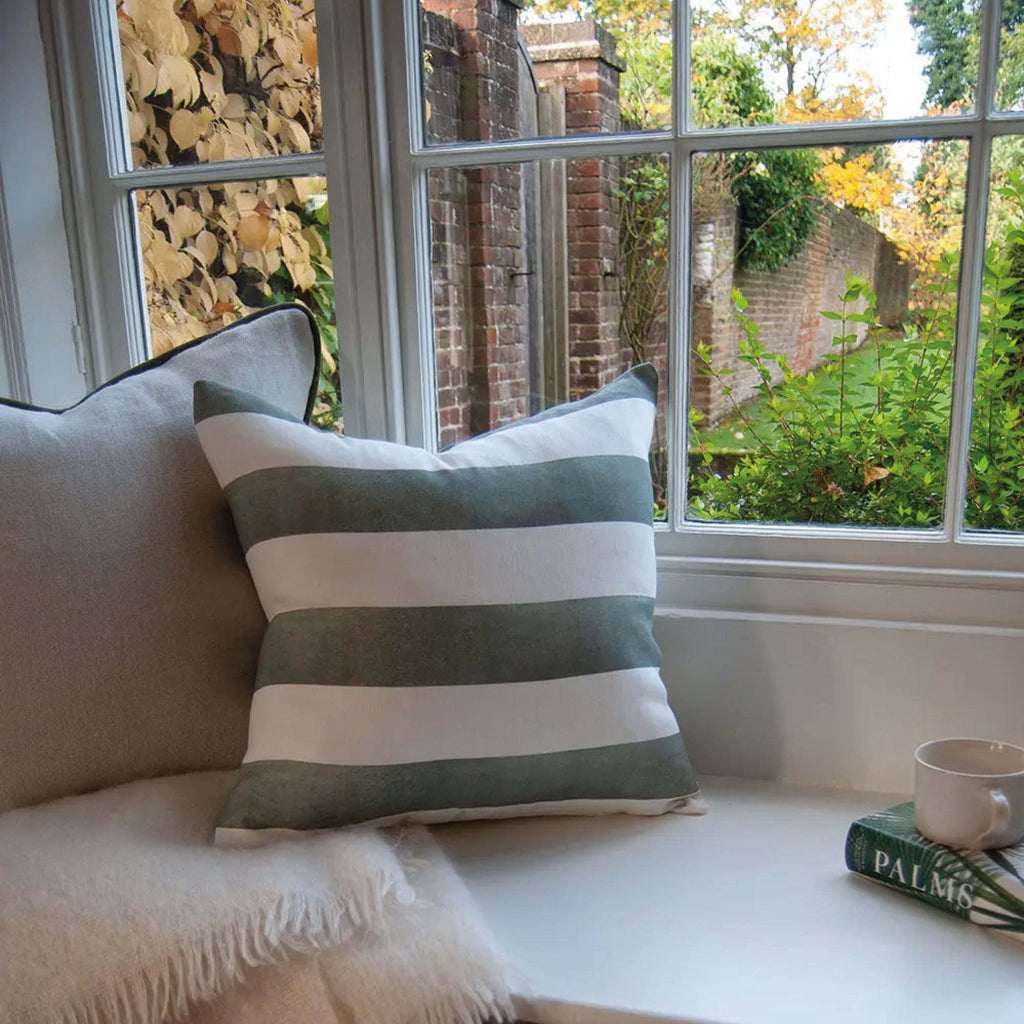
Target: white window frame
951,555
96,164
376,163
13,367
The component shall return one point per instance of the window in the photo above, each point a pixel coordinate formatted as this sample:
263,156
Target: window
527,199
195,148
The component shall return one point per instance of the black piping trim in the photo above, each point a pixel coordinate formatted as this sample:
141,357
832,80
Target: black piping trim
164,357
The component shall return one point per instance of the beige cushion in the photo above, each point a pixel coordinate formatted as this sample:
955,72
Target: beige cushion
129,627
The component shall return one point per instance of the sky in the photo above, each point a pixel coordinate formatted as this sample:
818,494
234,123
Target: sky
898,69
896,66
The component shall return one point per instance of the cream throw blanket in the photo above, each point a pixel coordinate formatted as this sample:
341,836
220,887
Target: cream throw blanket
115,909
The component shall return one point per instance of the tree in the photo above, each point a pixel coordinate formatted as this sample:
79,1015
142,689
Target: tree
944,31
811,46
866,181
1010,81
927,228
728,87
810,43
623,17
947,34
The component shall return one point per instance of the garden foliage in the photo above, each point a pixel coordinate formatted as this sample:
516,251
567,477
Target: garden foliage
876,455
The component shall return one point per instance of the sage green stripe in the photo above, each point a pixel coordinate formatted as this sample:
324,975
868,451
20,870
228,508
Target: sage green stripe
291,500
297,795
458,645
639,382
210,398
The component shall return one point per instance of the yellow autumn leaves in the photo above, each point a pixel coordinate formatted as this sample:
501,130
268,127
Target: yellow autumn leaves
220,79
212,80
199,243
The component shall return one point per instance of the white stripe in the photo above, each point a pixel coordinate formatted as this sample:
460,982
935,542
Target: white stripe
254,837
382,725
244,442
417,569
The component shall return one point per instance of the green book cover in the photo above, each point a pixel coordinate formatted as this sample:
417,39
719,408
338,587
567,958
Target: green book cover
986,887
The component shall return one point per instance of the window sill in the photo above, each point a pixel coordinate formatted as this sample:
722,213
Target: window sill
900,596
745,916
859,550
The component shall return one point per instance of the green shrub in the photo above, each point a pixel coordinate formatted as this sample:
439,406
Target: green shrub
876,455
319,297
995,482
778,200
872,455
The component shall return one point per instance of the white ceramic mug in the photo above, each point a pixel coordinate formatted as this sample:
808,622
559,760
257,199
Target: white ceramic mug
969,793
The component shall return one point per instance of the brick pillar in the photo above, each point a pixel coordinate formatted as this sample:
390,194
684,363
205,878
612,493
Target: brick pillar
580,57
711,310
489,90
494,332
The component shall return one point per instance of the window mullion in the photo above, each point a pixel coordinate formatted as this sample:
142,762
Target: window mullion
130,277
578,147
418,331
972,269
358,208
967,326
294,165
110,78
12,337
103,245
795,136
988,58
678,341
678,356
412,232
681,114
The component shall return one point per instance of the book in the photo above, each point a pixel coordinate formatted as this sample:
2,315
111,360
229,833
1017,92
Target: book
983,886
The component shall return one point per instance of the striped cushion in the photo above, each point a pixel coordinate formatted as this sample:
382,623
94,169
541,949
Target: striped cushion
462,635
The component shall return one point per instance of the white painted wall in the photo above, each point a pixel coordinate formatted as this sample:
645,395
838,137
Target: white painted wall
834,683
28,165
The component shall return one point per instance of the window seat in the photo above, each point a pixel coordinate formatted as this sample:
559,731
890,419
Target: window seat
744,916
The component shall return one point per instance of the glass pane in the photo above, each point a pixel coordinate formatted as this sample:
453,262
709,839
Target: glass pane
549,280
499,69
209,81
213,253
1010,79
792,61
823,315
995,482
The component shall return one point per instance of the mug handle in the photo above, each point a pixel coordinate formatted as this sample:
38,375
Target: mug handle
1000,820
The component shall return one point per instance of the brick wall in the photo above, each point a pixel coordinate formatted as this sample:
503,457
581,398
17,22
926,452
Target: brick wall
482,261
714,247
786,304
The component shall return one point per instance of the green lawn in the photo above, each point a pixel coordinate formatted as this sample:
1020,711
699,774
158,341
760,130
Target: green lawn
733,435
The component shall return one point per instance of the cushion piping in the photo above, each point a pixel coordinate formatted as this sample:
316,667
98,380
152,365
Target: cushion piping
164,357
